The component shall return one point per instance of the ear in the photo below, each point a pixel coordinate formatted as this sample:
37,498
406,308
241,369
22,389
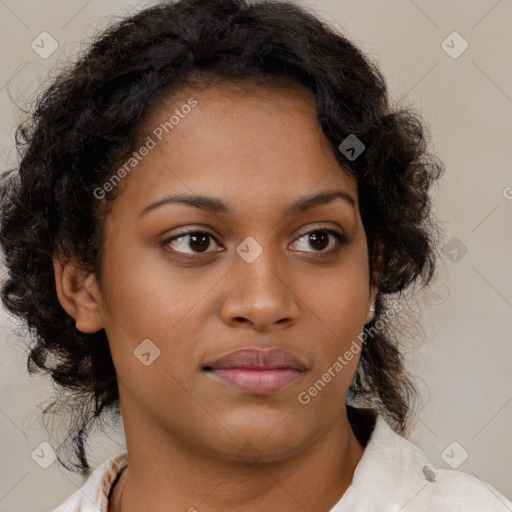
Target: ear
78,294
375,277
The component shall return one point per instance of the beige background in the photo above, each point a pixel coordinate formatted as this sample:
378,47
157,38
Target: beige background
464,357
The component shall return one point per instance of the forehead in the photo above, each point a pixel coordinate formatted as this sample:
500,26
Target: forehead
250,143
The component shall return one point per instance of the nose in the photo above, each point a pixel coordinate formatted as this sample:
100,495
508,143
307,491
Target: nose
260,295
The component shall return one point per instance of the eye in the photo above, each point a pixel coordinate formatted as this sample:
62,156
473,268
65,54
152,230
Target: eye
199,241
321,237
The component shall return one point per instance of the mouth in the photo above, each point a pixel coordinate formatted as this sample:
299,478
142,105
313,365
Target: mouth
257,371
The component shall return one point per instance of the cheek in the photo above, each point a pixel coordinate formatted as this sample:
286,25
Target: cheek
338,327
145,292
338,299
339,305
148,300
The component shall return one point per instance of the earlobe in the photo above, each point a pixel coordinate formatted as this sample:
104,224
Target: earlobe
371,307
78,295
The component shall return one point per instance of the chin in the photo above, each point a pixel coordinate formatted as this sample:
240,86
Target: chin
266,444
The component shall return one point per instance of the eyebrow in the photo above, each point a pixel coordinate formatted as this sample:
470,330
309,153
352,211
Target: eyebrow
214,205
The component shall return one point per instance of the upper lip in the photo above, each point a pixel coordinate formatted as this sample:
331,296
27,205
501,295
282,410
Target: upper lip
254,358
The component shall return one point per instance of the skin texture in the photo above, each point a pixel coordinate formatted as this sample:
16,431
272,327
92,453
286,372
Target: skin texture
194,441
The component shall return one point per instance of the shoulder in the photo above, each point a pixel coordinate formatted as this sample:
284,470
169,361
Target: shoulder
93,495
395,474
455,490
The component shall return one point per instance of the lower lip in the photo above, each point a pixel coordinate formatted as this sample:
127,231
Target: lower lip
258,381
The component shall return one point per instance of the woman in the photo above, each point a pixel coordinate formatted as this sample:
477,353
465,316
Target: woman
215,210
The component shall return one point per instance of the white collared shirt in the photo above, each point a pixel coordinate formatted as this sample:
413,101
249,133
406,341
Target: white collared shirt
393,475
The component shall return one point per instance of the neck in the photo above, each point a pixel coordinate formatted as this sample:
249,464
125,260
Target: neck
173,478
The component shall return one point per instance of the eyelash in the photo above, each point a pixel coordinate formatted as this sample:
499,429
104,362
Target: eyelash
340,239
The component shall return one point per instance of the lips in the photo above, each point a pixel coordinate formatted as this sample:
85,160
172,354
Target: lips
257,371
257,359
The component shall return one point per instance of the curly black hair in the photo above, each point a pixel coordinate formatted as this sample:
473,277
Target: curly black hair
87,121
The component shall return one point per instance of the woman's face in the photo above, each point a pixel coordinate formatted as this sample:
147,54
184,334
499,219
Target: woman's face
262,273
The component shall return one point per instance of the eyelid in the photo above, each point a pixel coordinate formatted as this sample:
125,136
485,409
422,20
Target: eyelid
321,227
340,237
185,232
